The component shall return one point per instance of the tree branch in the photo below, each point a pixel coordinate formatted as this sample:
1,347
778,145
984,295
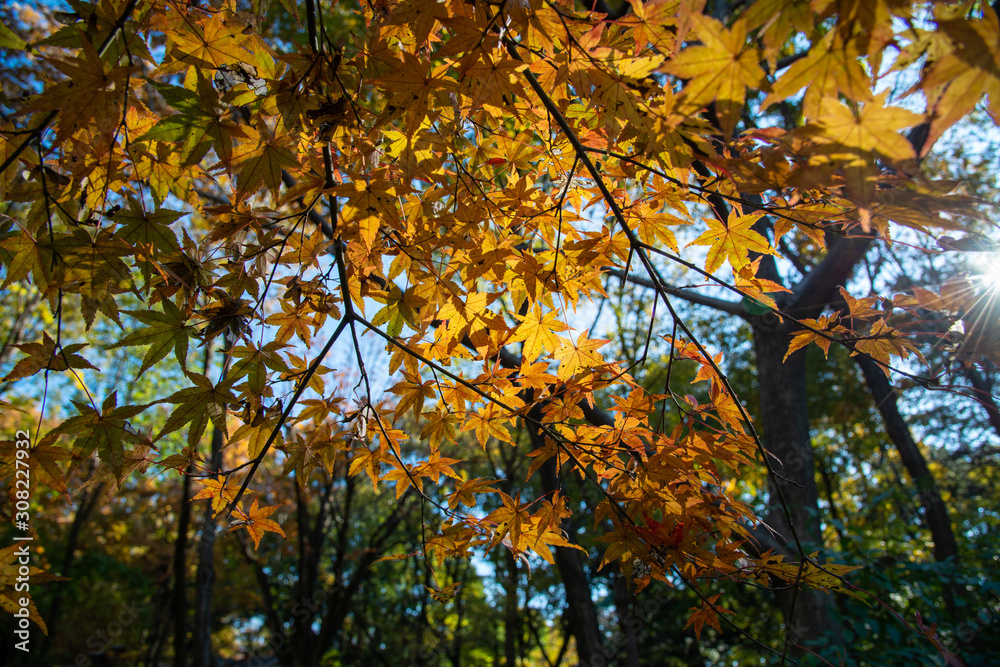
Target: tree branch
728,307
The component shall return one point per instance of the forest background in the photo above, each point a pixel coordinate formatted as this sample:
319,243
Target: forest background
523,332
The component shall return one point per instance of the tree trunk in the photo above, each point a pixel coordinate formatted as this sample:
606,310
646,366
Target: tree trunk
580,611
511,625
983,388
785,434
628,622
935,511
205,575
83,510
180,607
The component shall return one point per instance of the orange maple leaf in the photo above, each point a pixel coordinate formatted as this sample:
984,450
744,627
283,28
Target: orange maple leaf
257,523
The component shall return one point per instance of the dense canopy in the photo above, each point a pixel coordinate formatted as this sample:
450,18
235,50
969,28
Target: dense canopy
667,300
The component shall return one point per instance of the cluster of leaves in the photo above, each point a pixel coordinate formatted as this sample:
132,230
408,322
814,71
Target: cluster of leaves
470,173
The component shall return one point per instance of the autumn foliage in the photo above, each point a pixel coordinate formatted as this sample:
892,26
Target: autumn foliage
460,181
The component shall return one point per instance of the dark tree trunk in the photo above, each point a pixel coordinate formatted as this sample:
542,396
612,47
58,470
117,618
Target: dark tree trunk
627,622
935,511
983,388
88,501
784,420
205,575
511,621
180,606
580,612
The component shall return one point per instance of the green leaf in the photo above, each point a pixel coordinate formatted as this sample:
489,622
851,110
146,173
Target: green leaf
197,405
10,40
104,431
190,131
164,331
140,227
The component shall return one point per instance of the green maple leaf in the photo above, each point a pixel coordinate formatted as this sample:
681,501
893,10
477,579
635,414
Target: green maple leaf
198,126
263,165
164,331
253,364
104,431
198,404
148,229
23,256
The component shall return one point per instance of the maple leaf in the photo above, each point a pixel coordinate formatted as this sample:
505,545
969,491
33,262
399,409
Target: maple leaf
42,462
258,431
509,521
825,324
882,343
574,357
830,67
403,476
436,466
197,405
412,393
488,421
221,491
653,22
445,594
44,356
263,164
23,256
963,76
192,132
537,330
706,614
10,574
439,426
466,493
210,42
732,240
93,91
254,363
719,69
872,128
256,522
369,461
399,310
105,431
148,229
366,209
93,266
165,331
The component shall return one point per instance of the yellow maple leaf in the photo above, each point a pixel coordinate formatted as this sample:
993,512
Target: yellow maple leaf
872,128
829,68
579,355
537,330
219,491
11,595
720,69
965,75
210,42
732,240
94,91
